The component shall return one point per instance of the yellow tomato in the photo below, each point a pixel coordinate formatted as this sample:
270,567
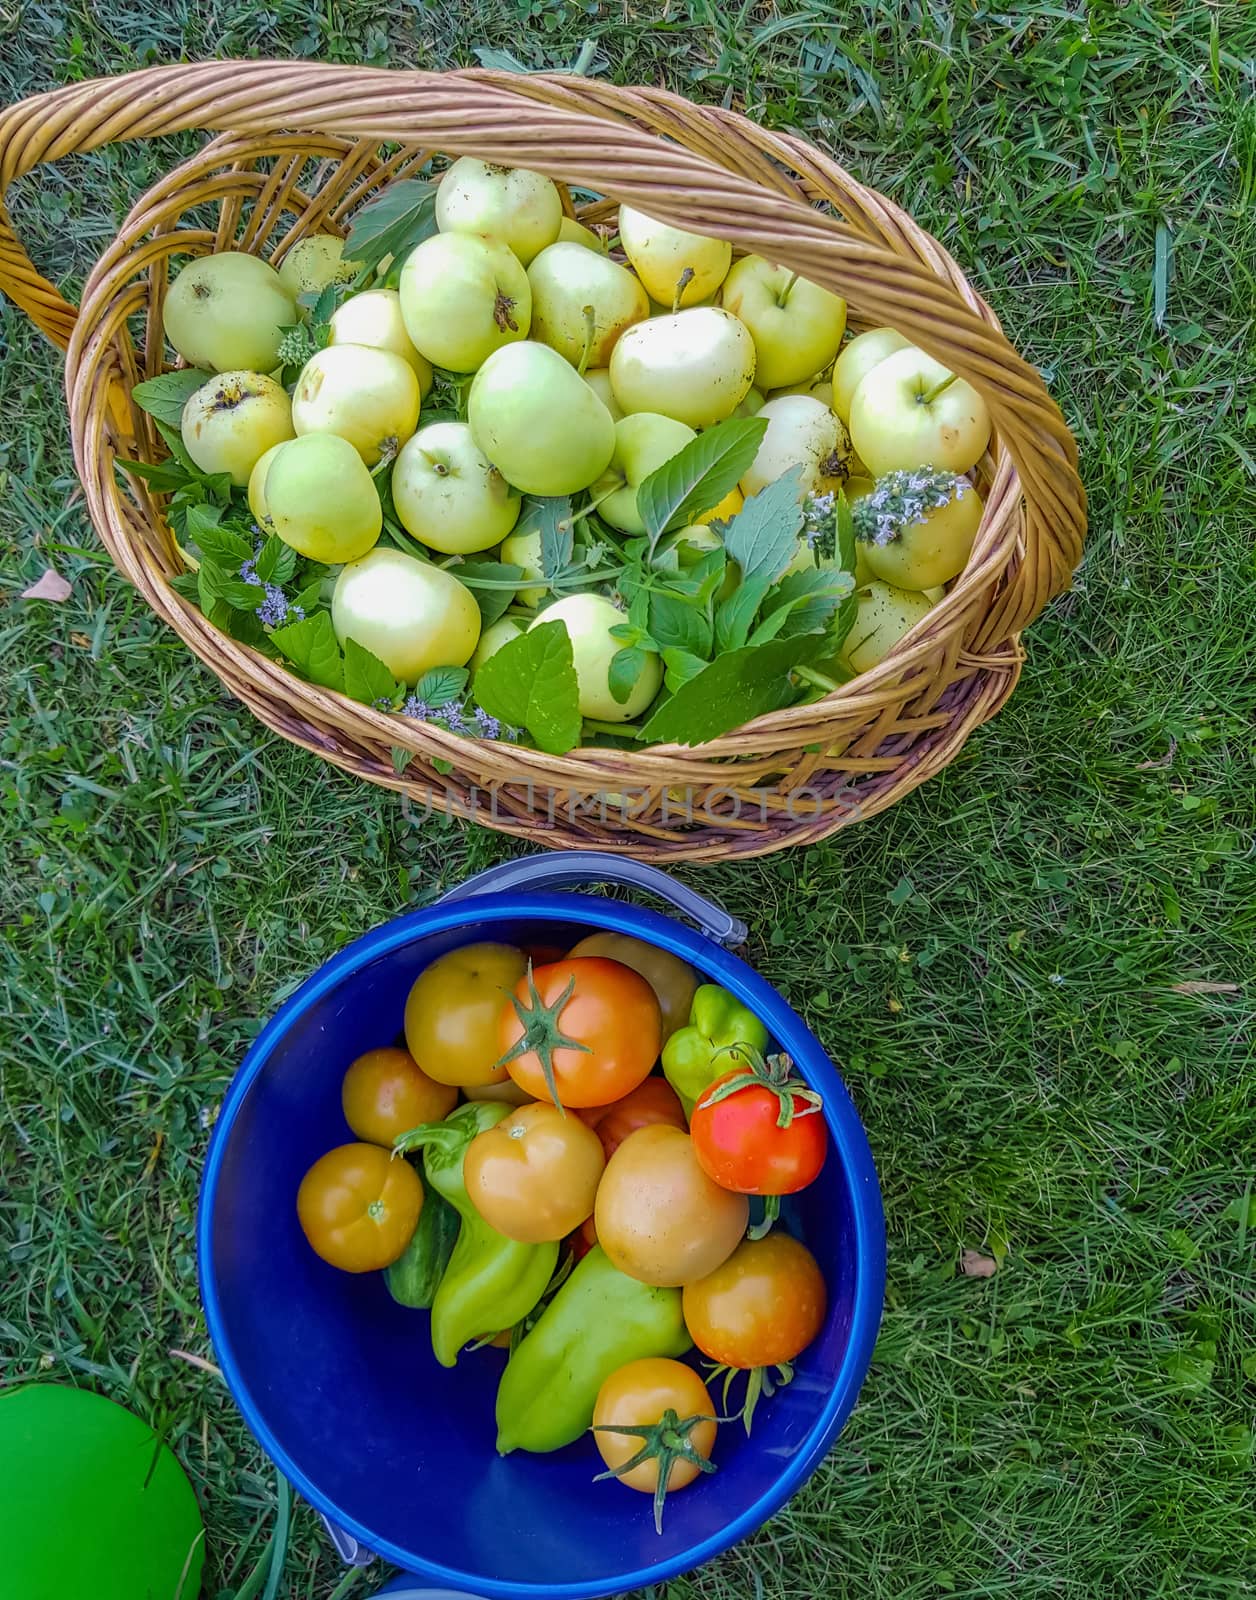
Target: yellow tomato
453,1013
533,1176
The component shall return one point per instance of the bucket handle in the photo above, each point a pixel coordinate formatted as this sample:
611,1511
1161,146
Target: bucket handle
560,868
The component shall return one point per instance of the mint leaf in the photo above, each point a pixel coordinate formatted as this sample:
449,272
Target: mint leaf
401,216
680,666
162,477
401,758
494,585
313,649
734,617
277,563
531,683
763,536
679,623
803,602
367,678
224,546
441,685
844,528
731,691
321,306
166,396
174,442
625,668
550,516
699,476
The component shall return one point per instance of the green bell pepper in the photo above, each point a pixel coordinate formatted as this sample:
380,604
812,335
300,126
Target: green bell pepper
415,1276
597,1322
491,1281
695,1056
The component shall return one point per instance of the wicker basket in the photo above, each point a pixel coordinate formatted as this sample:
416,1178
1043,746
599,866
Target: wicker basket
299,147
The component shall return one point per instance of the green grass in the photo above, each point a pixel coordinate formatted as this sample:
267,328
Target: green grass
1036,972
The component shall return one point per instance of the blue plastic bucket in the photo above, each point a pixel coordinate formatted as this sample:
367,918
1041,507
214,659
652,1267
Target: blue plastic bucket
338,1383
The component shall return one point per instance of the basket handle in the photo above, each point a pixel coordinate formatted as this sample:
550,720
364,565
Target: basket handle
638,145
560,868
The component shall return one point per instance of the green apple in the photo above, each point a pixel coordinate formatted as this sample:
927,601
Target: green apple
256,492
538,422
599,380
228,312
643,442
752,404
409,613
314,262
572,232
695,366
856,360
369,397
492,639
521,208
232,420
916,529
374,318
817,388
523,550
448,495
663,256
462,298
588,619
581,302
795,324
910,412
883,615
801,432
322,500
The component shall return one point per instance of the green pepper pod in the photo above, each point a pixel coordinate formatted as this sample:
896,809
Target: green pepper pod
414,1278
491,1281
597,1322
695,1056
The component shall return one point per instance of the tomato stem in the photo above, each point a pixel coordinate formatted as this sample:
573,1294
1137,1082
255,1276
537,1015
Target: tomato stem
542,1034
771,1215
759,1383
775,1074
666,1441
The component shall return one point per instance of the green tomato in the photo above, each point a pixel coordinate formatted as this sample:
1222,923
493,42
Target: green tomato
322,500
414,616
568,281
463,298
519,207
661,255
369,397
795,324
588,619
538,422
229,423
374,318
933,551
448,494
695,366
227,312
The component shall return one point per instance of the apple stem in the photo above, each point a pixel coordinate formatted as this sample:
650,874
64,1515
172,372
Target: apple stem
584,511
787,290
931,395
590,328
682,283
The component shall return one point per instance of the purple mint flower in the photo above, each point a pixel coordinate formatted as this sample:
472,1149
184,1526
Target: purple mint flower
416,708
274,610
248,571
451,715
486,726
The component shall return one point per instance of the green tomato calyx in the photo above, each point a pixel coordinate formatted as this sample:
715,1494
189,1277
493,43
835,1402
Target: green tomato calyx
542,1032
665,1441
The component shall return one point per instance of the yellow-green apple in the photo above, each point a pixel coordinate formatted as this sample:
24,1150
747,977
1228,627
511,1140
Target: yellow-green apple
695,366
462,298
519,207
228,312
448,494
409,613
314,262
796,325
916,529
322,500
671,262
801,432
538,422
581,302
910,411
588,619
643,442
233,420
369,397
883,615
374,318
492,639
856,360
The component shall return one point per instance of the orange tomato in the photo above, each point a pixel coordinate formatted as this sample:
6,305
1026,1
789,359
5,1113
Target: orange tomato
581,1032
650,1102
358,1207
533,1176
669,1401
385,1094
673,980
761,1307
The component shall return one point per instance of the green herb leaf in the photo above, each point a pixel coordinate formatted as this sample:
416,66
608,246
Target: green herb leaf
166,396
803,602
679,623
844,525
531,683
680,666
699,476
400,217
626,667
322,306
277,562
223,546
763,536
551,518
734,617
187,586
491,600
246,626
174,442
441,685
367,678
313,649
162,477
311,597
401,758
733,689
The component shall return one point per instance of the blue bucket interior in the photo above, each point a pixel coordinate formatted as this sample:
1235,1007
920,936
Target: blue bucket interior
338,1382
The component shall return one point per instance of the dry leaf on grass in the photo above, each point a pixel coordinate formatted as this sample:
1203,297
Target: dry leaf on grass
52,586
1198,986
974,1265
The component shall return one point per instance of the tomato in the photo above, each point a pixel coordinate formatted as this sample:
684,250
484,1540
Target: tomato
580,1032
672,979
665,1409
652,1101
761,1307
659,1217
583,1239
533,1176
358,1207
384,1094
759,1129
453,1009
541,955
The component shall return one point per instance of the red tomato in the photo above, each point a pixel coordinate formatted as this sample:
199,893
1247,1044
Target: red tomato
581,1032
583,1239
652,1101
759,1129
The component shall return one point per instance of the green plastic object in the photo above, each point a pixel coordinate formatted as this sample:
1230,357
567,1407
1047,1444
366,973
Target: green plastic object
92,1503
